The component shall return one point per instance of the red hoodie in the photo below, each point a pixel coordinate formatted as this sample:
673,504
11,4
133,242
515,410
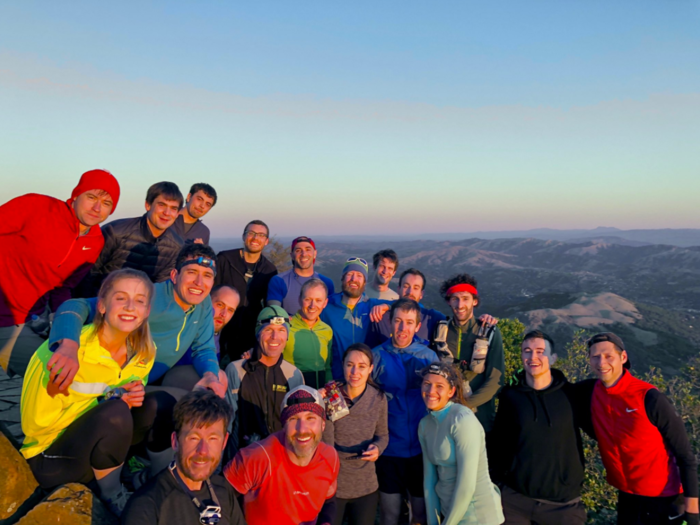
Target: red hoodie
41,250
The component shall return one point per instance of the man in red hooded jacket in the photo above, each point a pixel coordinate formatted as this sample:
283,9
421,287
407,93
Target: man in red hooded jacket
46,247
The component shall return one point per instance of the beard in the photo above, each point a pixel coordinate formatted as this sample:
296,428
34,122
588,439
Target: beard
308,449
353,293
183,466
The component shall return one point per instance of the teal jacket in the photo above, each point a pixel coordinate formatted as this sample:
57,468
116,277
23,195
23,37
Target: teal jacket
456,478
173,330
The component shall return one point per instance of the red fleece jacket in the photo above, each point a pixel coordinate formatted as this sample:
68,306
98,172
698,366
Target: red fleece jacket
41,251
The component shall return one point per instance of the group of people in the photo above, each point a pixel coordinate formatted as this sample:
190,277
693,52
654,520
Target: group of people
187,386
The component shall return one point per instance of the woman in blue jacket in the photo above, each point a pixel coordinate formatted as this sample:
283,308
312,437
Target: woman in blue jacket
457,486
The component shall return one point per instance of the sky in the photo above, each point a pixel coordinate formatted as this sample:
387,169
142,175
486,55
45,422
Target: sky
360,118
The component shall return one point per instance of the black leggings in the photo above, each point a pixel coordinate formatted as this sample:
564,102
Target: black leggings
359,511
100,439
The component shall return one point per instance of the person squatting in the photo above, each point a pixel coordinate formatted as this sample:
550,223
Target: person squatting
185,386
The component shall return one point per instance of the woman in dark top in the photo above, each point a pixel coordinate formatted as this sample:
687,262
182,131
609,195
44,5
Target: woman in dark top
359,438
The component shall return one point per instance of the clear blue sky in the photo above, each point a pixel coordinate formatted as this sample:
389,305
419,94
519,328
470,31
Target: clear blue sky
363,117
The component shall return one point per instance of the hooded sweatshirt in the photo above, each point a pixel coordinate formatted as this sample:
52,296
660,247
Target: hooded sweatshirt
535,447
42,251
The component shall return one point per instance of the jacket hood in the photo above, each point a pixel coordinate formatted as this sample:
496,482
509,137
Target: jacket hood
538,398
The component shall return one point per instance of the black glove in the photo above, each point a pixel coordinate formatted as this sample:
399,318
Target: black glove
692,519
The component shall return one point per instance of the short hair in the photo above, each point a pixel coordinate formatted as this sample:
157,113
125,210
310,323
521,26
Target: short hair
539,334
259,223
205,188
310,284
460,278
168,190
193,250
218,287
385,254
201,408
407,305
412,271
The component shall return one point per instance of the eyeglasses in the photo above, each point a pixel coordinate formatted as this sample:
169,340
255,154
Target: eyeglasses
255,235
357,259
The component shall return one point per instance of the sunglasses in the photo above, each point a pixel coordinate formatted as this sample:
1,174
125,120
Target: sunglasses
357,259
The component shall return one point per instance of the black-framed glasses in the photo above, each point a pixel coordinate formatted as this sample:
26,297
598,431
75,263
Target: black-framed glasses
255,235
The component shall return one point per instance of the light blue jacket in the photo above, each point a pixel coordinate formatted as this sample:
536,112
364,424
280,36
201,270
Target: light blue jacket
173,330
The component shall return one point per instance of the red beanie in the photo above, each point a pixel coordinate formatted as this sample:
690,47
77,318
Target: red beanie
98,180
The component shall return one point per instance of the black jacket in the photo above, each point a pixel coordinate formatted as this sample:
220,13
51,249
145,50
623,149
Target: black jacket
197,231
239,334
535,446
129,243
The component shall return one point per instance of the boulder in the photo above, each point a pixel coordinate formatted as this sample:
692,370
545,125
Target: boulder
17,483
72,504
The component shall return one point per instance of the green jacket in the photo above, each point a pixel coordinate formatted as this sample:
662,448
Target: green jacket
309,349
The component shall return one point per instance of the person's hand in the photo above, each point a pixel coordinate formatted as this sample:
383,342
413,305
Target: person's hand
62,367
488,319
378,312
209,381
371,454
135,393
198,241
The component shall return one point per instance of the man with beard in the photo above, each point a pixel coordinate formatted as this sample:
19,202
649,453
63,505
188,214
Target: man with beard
258,385
189,490
290,477
309,343
188,225
348,313
248,271
385,264
397,363
475,346
144,243
536,455
284,288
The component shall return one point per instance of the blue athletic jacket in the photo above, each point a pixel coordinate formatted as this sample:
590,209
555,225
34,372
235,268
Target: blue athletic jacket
396,372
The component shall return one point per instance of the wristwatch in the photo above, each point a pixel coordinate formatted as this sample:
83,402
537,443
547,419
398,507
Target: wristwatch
115,393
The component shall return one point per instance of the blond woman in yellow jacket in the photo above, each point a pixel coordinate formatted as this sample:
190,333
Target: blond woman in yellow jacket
84,432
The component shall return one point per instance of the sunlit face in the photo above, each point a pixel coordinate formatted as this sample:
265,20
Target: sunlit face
193,282
162,213
462,304
224,303
198,450
405,324
303,432
313,301
273,339
303,256
385,271
411,287
255,238
199,204
537,356
353,284
126,306
93,207
357,369
606,362
436,391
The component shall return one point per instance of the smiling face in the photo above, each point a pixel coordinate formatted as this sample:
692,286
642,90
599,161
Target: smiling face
462,304
353,284
255,238
607,362
192,284
303,256
405,324
126,306
224,303
537,357
302,433
199,204
385,271
162,213
313,301
436,391
357,369
411,287
273,339
198,450
93,207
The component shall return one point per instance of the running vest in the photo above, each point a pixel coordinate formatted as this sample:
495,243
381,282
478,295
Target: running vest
634,454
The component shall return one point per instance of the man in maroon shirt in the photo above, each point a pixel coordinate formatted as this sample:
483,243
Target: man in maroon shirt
46,247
